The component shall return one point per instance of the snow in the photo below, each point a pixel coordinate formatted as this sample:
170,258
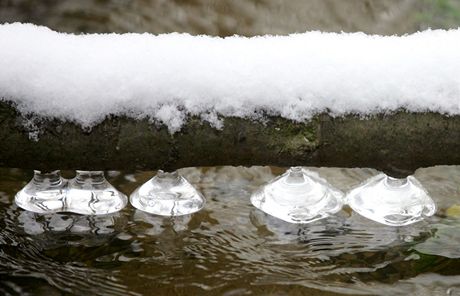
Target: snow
84,78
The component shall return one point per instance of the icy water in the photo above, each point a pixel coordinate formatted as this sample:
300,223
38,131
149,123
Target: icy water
229,248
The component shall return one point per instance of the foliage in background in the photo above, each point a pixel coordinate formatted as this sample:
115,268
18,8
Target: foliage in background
439,14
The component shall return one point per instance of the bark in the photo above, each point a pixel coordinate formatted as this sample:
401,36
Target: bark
396,143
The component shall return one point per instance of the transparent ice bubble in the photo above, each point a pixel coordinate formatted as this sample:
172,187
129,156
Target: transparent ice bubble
89,193
167,194
45,193
391,201
298,196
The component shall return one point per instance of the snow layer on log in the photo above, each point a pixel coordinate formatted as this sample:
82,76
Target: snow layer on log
84,78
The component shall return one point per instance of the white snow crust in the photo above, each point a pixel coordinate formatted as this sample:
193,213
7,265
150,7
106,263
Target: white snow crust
84,78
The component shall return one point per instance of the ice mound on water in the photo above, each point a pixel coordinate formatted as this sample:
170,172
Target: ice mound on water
401,201
298,196
83,78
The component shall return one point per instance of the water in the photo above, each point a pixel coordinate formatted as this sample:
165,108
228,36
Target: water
230,247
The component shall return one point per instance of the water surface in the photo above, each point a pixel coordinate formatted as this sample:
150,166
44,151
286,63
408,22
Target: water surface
229,248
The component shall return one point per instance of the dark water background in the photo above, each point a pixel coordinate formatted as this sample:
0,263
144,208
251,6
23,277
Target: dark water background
230,248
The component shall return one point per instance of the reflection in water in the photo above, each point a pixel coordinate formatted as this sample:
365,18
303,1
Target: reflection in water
229,247
43,250
343,233
446,241
158,224
92,230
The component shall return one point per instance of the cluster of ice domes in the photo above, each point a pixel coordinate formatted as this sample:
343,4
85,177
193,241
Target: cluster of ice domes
89,193
297,196
302,196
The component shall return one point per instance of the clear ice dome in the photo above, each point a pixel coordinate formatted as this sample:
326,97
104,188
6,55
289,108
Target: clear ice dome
391,201
298,196
167,194
45,193
89,193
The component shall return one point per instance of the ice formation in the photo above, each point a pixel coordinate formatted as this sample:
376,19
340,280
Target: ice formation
83,78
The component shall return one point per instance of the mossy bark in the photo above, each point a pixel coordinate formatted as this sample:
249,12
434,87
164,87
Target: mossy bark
395,143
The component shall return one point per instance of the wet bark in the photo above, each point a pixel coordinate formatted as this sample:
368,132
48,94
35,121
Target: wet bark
396,143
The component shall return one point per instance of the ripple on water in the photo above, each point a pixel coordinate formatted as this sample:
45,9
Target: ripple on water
228,248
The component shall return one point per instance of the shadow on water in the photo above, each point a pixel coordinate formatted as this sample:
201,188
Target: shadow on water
229,248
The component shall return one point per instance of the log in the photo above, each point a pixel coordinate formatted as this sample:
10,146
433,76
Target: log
396,143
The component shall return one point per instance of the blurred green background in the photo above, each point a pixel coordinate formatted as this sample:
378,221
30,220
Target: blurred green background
229,17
